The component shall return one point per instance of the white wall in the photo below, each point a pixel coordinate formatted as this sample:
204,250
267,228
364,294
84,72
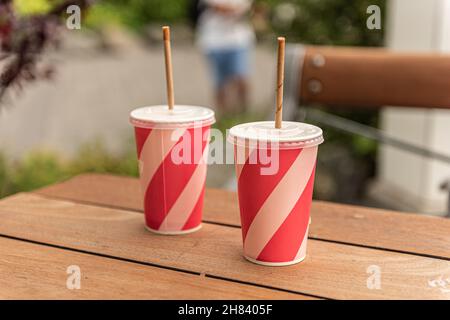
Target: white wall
407,181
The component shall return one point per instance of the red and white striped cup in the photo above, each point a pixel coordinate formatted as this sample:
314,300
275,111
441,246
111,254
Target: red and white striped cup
275,174
172,149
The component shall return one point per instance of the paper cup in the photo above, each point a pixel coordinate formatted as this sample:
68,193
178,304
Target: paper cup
172,148
275,173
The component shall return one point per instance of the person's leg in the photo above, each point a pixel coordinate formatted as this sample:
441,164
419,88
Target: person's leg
242,84
240,74
221,98
217,62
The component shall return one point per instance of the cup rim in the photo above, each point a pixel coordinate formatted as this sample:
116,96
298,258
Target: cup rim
142,119
265,136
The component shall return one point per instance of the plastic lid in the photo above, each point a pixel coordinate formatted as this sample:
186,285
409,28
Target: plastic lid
179,117
291,135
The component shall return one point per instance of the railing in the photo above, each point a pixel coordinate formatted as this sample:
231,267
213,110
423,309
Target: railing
354,127
357,77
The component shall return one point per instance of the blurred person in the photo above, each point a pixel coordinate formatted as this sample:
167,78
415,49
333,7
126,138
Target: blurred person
225,35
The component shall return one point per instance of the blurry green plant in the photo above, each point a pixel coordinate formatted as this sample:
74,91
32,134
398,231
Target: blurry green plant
225,122
330,22
327,22
28,7
94,157
5,181
38,169
136,14
41,168
105,14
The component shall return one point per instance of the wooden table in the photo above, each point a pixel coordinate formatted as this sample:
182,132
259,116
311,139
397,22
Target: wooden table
95,222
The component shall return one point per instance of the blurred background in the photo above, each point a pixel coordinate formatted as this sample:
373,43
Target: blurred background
66,111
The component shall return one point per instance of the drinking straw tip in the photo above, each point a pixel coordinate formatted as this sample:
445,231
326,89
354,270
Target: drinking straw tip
166,32
168,63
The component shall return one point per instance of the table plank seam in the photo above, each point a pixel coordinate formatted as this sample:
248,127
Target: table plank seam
269,287
86,202
131,210
17,285
107,256
103,255
424,255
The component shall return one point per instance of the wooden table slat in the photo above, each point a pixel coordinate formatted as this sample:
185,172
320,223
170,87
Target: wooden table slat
330,270
429,236
32,271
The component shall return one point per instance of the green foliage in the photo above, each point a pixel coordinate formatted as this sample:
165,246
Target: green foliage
156,10
105,14
42,168
37,169
363,146
95,158
225,122
4,177
332,22
27,7
138,13
132,13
